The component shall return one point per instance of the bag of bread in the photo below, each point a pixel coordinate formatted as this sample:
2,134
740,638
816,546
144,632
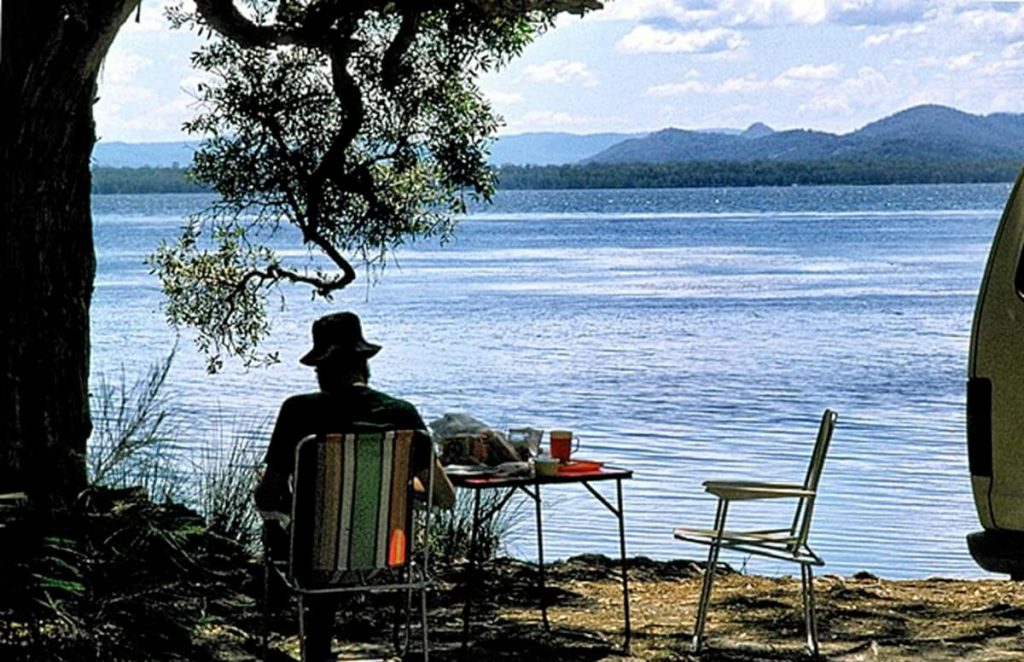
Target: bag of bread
462,439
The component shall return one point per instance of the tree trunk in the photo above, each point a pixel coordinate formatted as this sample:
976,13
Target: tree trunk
51,56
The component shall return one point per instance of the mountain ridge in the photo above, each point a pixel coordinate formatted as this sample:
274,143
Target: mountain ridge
925,132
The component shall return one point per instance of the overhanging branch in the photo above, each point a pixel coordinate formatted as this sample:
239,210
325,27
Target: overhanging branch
276,273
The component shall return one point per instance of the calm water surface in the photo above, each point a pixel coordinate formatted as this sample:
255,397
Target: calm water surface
686,334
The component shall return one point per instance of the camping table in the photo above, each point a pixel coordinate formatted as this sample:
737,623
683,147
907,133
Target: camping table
530,485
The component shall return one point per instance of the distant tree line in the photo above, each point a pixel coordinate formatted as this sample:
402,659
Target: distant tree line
695,174
144,180
689,174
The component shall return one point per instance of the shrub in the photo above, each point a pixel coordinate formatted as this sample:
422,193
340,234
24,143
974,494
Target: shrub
451,530
133,437
228,476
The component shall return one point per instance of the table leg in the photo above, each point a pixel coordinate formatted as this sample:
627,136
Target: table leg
540,561
620,514
471,579
625,578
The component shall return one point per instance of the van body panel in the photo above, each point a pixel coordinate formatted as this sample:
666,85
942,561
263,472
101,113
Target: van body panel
995,397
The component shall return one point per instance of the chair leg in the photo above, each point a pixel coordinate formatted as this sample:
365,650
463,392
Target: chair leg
705,598
423,624
810,617
265,643
402,627
303,644
709,576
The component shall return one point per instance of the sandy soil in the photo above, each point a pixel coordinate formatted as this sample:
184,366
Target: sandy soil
751,618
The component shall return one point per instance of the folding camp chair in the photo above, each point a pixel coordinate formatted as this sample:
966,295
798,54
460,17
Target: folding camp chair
789,544
351,519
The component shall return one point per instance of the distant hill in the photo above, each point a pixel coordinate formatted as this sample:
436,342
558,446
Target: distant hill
558,148
552,148
921,133
142,155
940,132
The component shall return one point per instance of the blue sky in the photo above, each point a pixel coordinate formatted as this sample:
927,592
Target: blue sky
642,65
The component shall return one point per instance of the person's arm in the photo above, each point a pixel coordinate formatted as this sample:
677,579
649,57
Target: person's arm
272,491
444,491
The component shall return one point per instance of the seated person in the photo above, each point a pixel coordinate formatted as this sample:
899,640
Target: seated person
345,403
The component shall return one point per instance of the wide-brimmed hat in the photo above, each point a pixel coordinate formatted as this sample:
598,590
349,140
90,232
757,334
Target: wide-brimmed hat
337,335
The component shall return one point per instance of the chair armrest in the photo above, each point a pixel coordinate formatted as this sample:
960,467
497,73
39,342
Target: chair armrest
739,490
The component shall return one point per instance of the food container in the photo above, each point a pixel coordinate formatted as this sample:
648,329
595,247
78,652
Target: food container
545,465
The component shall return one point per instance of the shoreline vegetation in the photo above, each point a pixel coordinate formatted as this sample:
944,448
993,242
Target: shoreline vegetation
689,174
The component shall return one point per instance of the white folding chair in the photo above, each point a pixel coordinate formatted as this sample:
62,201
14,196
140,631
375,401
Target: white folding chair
787,544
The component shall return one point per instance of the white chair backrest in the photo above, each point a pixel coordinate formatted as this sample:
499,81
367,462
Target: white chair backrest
805,507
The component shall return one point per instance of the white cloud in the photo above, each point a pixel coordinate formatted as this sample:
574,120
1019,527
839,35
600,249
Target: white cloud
962,62
642,10
550,120
878,12
735,14
123,67
765,13
1004,68
810,72
1013,51
828,104
135,113
1005,102
648,39
1005,25
899,34
868,86
744,85
806,75
120,96
768,13
561,72
505,97
678,89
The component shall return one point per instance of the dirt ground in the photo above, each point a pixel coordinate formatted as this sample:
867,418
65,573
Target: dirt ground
751,617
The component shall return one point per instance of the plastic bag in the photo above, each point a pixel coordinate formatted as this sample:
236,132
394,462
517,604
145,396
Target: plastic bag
462,439
525,441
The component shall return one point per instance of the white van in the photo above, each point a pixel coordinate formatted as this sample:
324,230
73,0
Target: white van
995,399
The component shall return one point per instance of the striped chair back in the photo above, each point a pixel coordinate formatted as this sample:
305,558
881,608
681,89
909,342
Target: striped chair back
351,509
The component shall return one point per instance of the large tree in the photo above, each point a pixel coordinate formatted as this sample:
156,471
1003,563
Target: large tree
358,183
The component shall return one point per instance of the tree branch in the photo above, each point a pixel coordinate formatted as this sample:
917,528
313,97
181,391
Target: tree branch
275,273
348,273
224,17
391,64
351,98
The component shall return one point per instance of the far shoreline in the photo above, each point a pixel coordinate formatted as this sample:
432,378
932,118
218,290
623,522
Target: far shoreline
646,176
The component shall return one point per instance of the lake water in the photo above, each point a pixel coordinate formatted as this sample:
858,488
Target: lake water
686,334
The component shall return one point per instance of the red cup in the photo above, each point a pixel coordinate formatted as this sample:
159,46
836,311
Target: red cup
562,445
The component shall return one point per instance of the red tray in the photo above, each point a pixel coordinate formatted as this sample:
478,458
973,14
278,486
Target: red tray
579,466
